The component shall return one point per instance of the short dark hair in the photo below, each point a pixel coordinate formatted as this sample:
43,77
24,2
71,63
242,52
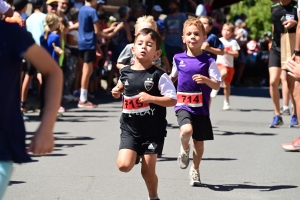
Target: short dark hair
73,14
153,34
36,4
20,4
123,11
210,21
175,2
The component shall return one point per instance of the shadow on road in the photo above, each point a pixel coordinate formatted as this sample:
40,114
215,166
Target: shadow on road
251,110
228,133
162,159
15,182
230,187
50,155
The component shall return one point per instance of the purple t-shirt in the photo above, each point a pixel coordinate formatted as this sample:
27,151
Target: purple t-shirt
185,67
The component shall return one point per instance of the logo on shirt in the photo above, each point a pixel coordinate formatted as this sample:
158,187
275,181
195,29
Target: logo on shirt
151,146
181,64
148,84
126,82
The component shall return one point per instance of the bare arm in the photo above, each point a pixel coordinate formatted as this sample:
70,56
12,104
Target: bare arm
232,53
128,33
297,45
96,28
216,51
117,90
74,26
161,101
43,141
200,79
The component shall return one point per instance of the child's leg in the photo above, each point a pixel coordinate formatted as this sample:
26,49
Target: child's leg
5,173
285,90
149,175
198,153
126,159
226,90
87,71
186,132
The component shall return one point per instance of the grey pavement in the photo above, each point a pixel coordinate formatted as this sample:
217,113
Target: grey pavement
245,161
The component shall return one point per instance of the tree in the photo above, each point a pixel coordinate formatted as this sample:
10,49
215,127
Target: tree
259,18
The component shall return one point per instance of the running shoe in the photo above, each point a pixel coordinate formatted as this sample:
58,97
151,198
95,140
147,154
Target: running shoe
25,118
86,104
61,110
183,158
195,177
226,105
292,146
285,112
214,93
277,122
294,121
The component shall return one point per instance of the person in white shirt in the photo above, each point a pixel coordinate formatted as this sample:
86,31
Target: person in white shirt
226,62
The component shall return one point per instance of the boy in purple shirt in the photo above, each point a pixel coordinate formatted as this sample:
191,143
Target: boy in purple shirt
197,75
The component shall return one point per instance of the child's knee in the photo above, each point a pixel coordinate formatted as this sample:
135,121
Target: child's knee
186,131
124,166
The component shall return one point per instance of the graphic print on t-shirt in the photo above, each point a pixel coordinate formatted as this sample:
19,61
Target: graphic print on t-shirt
148,84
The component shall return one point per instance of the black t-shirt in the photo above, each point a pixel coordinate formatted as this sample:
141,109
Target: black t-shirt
14,42
152,123
278,13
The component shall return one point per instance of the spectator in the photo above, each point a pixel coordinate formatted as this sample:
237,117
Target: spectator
62,8
173,30
52,6
5,9
156,12
201,11
20,7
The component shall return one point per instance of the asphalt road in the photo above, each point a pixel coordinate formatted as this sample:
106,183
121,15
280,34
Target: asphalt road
245,161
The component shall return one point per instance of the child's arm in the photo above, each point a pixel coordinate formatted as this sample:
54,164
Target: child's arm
117,90
214,79
43,141
174,74
168,91
124,57
213,50
232,53
57,49
114,32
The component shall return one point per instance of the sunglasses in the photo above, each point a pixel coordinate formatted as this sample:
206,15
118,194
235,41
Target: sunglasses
53,5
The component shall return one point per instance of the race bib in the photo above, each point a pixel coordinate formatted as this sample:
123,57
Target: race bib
189,99
132,105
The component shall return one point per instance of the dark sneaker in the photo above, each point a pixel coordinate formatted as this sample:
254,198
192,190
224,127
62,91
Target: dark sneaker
277,122
294,121
86,104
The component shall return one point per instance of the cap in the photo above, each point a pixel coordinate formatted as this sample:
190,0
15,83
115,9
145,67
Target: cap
238,22
48,2
157,8
100,2
268,33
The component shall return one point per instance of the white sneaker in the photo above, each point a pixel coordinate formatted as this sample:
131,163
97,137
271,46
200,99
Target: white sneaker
183,158
194,177
214,93
226,105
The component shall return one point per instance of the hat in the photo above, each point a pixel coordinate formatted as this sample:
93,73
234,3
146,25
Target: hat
48,2
100,2
268,33
157,8
238,22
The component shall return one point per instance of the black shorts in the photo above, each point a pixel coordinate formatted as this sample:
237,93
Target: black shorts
141,145
88,56
274,58
202,128
28,68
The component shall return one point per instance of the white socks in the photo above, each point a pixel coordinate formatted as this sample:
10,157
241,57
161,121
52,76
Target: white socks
83,95
286,107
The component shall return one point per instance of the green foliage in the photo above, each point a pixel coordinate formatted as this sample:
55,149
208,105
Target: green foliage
258,13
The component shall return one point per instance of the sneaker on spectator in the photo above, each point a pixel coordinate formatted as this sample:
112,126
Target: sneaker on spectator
214,93
226,105
183,158
195,177
61,109
294,121
285,112
277,122
86,104
292,146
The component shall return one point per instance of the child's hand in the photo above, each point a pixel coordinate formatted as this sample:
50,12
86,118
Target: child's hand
57,49
145,98
205,46
199,78
42,142
116,92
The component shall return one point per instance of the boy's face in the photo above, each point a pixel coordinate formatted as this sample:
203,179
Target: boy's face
144,48
193,37
142,26
206,25
226,32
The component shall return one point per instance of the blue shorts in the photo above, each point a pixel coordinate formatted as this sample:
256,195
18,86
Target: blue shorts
5,173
